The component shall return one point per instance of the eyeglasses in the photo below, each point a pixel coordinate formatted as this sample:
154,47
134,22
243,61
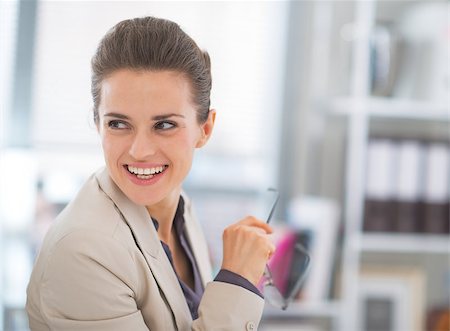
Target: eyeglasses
274,204
279,291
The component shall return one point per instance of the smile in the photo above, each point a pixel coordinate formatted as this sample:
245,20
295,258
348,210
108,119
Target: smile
146,173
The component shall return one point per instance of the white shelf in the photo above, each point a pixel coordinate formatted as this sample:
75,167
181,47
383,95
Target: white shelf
392,108
329,309
405,243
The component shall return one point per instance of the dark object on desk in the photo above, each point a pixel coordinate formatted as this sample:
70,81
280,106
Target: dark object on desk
300,262
438,320
379,315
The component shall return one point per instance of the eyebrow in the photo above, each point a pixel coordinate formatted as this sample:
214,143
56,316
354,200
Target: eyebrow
155,118
165,116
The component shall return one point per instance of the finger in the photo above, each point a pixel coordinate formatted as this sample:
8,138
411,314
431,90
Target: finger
272,249
253,221
255,229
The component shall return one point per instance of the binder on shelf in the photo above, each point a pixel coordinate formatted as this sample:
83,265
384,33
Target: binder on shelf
379,205
435,217
408,186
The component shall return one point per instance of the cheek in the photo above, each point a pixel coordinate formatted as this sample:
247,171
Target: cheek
106,145
182,149
112,147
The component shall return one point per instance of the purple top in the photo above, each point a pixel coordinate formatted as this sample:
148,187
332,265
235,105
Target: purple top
194,295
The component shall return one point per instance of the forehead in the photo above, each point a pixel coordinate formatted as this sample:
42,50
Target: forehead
130,90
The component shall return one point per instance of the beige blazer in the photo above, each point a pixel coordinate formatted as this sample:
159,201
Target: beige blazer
102,268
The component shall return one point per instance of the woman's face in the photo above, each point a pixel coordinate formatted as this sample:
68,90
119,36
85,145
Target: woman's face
149,131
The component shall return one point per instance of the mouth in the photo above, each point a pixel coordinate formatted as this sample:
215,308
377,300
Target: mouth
146,173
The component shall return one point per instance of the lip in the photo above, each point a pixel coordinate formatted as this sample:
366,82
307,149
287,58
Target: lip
144,182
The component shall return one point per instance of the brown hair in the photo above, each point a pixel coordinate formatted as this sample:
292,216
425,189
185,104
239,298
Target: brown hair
150,43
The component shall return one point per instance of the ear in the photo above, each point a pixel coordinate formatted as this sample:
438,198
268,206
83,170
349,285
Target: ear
207,128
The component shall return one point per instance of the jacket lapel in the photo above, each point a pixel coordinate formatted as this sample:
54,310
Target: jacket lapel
144,232
197,241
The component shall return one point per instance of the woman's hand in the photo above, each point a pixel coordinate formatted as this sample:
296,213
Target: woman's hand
247,247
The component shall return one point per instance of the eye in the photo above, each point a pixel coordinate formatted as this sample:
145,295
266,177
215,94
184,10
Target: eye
164,125
117,125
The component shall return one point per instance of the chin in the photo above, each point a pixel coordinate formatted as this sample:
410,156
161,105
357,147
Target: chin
144,200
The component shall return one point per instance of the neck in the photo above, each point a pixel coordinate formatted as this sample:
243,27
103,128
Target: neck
164,212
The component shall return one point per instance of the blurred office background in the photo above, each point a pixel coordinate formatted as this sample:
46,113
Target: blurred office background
341,105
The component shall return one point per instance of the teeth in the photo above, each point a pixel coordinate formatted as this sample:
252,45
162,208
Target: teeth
144,176
145,172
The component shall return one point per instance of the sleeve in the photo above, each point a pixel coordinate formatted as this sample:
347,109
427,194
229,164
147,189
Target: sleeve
85,286
228,307
230,277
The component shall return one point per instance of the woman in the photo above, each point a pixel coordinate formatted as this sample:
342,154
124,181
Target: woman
127,253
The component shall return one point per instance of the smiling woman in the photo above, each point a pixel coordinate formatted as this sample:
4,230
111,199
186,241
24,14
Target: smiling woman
127,253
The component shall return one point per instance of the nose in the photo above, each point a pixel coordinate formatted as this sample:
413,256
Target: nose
142,146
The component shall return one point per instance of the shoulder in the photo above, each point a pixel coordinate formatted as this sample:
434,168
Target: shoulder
91,211
85,275
81,264
82,253
90,230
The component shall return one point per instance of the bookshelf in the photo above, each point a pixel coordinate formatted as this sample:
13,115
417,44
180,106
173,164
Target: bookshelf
389,108
328,312
327,309
405,243
361,114
361,109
